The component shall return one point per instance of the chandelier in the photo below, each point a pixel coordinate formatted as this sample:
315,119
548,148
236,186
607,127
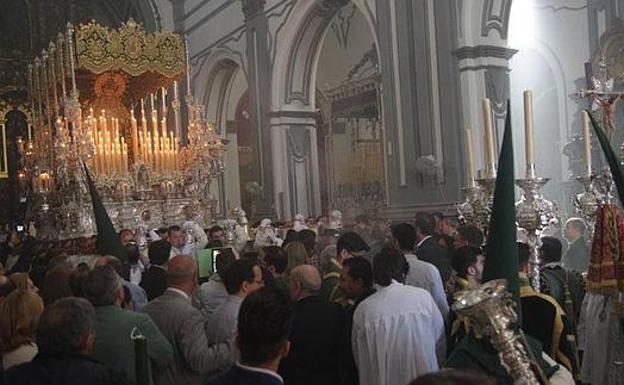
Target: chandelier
110,99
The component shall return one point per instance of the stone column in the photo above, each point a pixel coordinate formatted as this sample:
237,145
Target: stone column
483,56
295,156
484,73
420,105
259,80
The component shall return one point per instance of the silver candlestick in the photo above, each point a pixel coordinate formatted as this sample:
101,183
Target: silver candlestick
587,202
533,214
474,208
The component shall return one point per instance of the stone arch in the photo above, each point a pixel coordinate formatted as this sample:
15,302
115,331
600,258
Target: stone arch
216,83
298,48
484,20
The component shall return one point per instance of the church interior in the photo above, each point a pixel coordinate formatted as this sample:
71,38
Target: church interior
243,124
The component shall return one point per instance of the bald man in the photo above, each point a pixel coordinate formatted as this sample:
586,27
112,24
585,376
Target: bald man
317,333
184,327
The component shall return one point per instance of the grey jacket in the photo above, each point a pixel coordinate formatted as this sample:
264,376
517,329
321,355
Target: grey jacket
184,327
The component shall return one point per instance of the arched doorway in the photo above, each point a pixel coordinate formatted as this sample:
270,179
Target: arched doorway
301,114
350,136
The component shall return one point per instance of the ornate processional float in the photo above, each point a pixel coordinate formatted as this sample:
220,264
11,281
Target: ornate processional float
111,99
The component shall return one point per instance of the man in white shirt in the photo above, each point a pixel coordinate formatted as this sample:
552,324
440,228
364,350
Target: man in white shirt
398,332
420,274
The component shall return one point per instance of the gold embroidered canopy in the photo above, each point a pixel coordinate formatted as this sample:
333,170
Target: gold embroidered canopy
129,49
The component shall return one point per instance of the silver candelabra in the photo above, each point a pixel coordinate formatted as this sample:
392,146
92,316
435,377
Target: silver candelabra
533,214
477,205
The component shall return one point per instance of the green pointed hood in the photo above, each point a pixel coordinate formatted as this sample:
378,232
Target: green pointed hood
501,250
108,242
612,159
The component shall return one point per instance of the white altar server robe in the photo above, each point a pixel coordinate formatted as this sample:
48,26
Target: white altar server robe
397,335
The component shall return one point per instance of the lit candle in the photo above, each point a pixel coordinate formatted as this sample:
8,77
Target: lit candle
157,164
586,143
134,136
528,128
469,155
489,136
144,144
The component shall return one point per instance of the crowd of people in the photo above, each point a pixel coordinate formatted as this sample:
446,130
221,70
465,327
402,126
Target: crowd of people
366,304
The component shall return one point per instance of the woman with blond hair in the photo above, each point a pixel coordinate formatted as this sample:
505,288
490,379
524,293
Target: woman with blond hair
23,282
297,255
18,324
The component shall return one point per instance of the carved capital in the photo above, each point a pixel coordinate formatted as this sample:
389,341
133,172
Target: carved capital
252,7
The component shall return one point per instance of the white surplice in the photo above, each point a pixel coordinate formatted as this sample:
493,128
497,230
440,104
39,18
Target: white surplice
398,335
425,275
601,337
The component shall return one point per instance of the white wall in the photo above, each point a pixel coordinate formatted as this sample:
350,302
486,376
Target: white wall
553,43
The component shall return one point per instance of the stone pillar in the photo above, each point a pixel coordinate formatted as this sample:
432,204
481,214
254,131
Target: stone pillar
259,80
484,73
420,105
295,156
483,56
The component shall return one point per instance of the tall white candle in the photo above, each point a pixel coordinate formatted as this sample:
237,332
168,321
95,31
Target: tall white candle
528,127
469,155
586,143
489,135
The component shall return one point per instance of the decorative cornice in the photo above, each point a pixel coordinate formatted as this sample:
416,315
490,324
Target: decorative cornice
252,7
484,51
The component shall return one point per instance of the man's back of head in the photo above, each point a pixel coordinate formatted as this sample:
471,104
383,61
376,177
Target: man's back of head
159,252
351,243
182,273
404,236
550,250
67,326
424,224
275,259
109,260
471,235
103,286
305,281
224,259
390,264
264,324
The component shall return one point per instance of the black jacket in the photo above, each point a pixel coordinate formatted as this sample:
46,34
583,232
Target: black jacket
154,281
577,257
431,251
316,341
62,369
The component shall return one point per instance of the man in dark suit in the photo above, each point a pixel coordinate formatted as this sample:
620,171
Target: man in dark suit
316,335
154,279
264,325
427,247
577,256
